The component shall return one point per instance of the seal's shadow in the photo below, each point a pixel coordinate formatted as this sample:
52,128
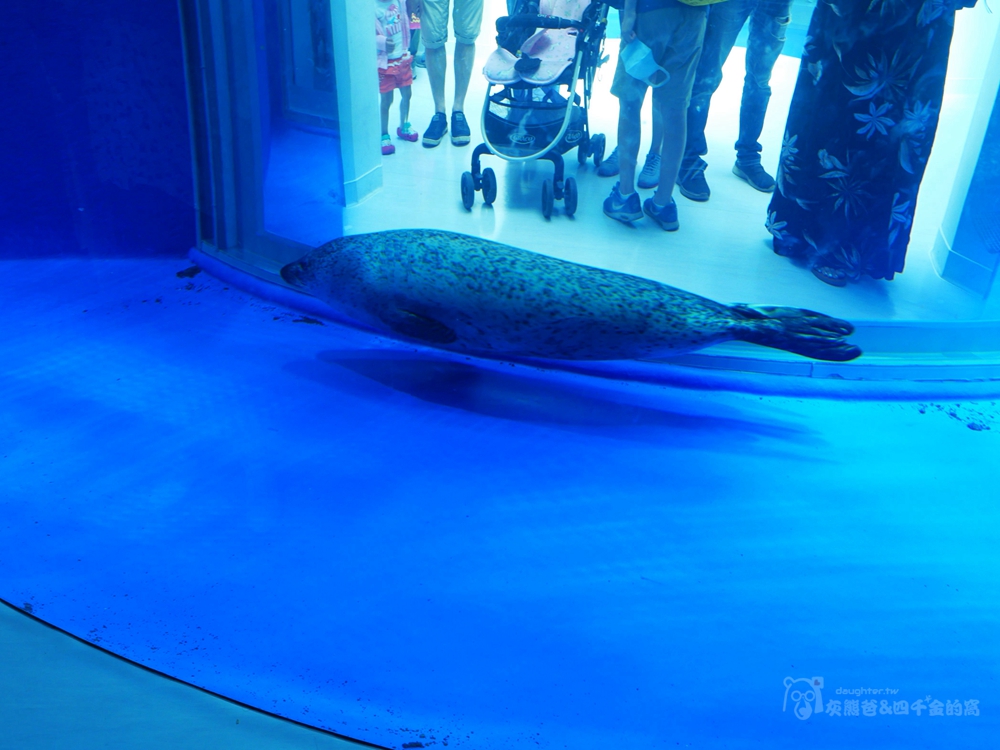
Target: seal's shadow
532,399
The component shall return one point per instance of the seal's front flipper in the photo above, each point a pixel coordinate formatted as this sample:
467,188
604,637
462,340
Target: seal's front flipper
420,327
804,332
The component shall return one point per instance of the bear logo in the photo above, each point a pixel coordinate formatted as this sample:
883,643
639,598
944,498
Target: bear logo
805,694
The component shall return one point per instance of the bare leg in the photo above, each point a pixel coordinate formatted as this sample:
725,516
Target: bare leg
674,118
386,103
437,69
404,105
657,143
465,57
629,132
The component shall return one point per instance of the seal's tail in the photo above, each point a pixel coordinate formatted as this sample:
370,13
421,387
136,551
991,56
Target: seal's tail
804,332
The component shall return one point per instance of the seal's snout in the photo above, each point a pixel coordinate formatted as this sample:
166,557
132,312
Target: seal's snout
292,273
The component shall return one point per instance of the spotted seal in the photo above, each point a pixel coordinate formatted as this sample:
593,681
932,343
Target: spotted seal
472,295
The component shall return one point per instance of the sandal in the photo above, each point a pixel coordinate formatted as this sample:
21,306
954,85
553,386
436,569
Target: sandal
407,133
830,275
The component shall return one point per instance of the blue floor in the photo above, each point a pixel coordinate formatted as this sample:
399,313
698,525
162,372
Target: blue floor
409,548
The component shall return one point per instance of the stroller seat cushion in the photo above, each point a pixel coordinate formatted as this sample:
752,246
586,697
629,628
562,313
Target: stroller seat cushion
572,9
555,48
527,65
499,67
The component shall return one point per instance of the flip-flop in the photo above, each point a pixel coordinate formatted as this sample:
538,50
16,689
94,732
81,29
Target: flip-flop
830,275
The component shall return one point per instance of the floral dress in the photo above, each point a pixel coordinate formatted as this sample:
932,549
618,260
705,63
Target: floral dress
859,132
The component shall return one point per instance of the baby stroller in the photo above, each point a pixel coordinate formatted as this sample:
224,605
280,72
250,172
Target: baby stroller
546,45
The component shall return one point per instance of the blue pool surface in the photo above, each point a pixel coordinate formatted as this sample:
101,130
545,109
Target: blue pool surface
408,547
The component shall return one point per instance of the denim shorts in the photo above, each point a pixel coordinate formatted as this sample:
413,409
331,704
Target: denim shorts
466,16
675,35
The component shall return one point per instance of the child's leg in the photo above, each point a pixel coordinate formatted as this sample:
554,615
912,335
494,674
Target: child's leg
404,105
657,143
673,115
672,100
386,103
629,133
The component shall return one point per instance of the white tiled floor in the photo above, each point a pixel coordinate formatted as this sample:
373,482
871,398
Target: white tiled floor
722,249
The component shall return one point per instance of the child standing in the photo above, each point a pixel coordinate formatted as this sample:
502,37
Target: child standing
671,33
395,66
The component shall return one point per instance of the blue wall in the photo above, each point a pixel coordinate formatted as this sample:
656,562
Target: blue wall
94,151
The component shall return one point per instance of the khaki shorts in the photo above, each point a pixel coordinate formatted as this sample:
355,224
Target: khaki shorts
466,16
675,35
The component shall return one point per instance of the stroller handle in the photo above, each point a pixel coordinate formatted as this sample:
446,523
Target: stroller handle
527,20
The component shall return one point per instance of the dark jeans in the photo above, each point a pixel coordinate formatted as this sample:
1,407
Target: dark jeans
768,21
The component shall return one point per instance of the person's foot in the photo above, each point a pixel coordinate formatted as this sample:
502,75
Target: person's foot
649,177
692,184
625,209
755,176
665,216
387,147
609,167
407,133
460,133
436,130
830,275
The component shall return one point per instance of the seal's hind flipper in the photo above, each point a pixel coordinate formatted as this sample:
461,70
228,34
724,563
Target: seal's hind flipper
420,327
804,332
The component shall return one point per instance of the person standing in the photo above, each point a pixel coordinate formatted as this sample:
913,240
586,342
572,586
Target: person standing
768,22
467,19
668,34
649,177
395,69
859,133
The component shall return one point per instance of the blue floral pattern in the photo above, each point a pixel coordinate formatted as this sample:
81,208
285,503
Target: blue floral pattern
859,133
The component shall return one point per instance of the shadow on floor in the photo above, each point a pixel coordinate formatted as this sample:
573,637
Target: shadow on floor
517,396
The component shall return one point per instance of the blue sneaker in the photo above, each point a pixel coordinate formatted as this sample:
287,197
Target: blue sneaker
755,176
665,216
649,177
460,133
609,167
436,130
620,208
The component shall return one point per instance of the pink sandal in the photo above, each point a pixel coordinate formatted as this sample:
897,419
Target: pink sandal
407,133
387,147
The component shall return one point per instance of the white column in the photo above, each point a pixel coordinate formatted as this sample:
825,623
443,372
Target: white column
974,70
356,70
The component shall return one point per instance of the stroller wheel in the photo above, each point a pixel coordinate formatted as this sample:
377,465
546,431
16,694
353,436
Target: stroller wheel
468,190
489,186
547,199
570,196
597,144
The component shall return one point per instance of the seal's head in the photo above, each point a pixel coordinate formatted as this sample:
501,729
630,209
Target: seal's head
298,273
321,269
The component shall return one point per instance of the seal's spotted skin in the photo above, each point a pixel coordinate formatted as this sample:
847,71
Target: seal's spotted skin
472,295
